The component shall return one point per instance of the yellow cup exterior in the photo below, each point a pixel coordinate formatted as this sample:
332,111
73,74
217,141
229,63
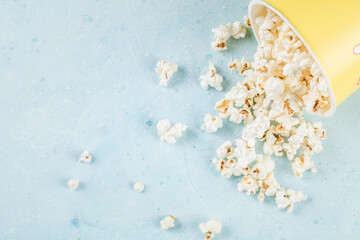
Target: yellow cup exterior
330,29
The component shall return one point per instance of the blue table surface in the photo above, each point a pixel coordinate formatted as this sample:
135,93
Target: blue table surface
79,75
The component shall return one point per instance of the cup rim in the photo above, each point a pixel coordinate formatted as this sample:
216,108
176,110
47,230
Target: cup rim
252,4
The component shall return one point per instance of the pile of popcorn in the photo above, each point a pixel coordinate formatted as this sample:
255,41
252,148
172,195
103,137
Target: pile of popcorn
281,82
256,171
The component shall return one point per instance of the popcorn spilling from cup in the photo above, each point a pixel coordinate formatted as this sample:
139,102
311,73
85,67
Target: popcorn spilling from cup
279,84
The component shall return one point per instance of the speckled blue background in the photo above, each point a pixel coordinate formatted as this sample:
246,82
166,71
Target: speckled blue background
78,75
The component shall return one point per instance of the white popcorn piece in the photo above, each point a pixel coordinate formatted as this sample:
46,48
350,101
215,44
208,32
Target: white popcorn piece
219,45
240,66
300,165
210,228
274,87
85,157
287,198
167,223
256,129
245,152
238,115
139,187
238,94
223,33
224,107
211,124
226,150
248,184
247,21
165,69
227,167
273,143
238,30
168,133
262,168
211,79
73,184
269,187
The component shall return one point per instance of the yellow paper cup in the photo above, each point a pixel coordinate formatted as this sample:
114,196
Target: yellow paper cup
330,29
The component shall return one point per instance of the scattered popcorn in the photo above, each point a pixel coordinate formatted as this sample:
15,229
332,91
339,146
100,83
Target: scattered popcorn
139,187
211,79
168,133
257,171
85,157
167,222
210,228
211,124
73,184
224,32
166,70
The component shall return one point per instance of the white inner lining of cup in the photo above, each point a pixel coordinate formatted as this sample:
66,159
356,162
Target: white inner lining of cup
258,8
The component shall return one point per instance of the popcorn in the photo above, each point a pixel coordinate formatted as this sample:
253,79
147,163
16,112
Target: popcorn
238,30
211,124
256,129
262,168
224,107
240,66
256,179
165,69
226,167
287,198
244,152
219,45
139,187
273,143
223,33
211,79
248,184
210,228
300,165
167,222
247,21
282,82
85,157
226,150
73,184
268,187
238,115
274,87
238,95
169,133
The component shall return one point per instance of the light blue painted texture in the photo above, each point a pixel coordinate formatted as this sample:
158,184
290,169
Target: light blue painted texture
77,75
